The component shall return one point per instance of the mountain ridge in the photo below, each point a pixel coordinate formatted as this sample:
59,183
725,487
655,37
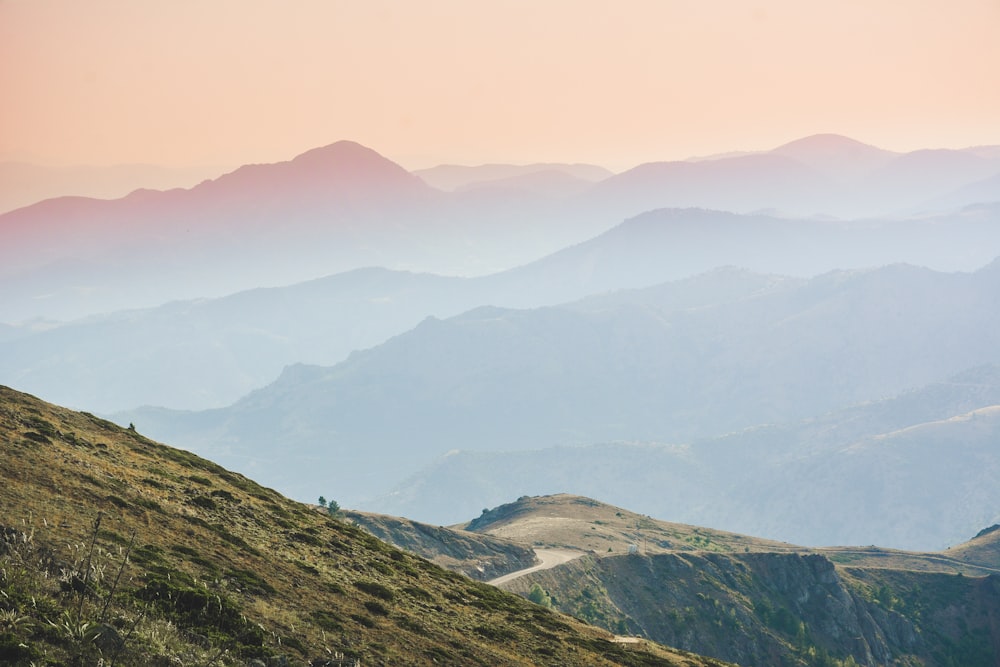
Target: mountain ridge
344,206
749,601
633,366
743,481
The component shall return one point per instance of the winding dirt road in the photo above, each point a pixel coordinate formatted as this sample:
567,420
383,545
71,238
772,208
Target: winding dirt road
547,557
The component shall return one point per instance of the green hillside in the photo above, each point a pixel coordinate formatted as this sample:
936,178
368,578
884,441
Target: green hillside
117,550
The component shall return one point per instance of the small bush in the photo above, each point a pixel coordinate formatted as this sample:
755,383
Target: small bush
204,502
376,589
250,582
376,608
326,620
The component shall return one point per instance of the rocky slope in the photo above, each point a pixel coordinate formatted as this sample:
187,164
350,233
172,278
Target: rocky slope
482,557
758,603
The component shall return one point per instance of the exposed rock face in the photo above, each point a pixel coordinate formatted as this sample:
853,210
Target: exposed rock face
770,609
480,557
837,618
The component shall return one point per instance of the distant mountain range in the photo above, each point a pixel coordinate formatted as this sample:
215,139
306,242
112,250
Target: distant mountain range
344,206
911,472
209,353
23,184
452,177
674,364
382,371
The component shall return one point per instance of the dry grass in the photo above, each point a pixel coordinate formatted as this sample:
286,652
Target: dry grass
565,520
222,570
576,522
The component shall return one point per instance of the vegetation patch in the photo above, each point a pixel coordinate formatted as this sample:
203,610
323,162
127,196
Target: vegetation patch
376,589
204,502
327,620
250,582
496,633
210,613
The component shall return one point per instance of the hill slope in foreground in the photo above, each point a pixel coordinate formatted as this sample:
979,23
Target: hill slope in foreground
120,549
757,602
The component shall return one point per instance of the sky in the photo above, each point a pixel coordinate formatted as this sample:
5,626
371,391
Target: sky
228,82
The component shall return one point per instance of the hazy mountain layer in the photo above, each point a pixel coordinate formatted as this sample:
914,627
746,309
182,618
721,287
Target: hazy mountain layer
209,353
343,207
655,365
909,472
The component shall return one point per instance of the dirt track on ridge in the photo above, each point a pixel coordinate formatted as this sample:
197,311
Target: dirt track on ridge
548,557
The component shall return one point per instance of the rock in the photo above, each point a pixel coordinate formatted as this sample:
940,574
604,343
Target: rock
105,637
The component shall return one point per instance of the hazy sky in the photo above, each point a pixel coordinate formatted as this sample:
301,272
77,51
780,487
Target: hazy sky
225,82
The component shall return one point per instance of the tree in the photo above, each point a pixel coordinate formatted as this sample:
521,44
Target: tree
322,501
539,596
333,508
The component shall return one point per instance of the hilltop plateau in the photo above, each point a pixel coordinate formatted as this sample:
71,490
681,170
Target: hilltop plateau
757,602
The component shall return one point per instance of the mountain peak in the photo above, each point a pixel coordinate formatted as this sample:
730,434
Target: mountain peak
825,141
350,161
343,151
835,153
344,167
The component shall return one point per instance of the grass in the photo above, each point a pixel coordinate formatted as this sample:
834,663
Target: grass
119,551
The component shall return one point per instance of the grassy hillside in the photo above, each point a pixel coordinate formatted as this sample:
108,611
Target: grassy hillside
983,549
565,520
118,549
576,522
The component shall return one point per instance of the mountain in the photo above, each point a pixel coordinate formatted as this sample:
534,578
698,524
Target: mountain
207,353
986,190
841,157
549,183
210,352
452,177
926,175
328,210
25,184
330,181
671,244
279,222
747,601
344,206
478,556
670,364
817,176
115,548
981,549
823,480
231,345
743,184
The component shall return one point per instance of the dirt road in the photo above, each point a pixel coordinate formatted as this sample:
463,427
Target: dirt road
547,557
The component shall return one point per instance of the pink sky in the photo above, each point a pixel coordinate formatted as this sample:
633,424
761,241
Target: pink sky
226,82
